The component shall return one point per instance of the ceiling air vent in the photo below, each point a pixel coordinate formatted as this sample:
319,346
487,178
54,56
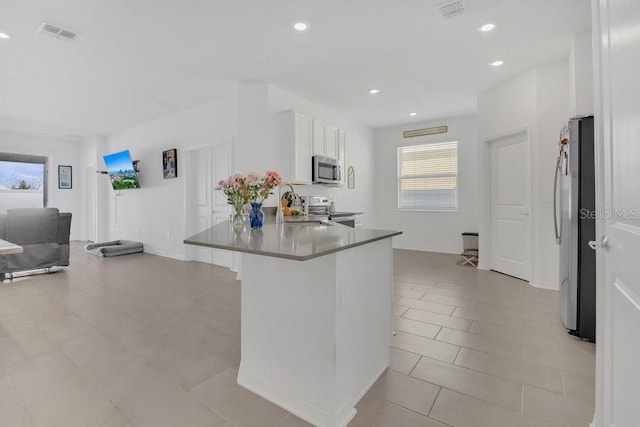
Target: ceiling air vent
452,9
56,32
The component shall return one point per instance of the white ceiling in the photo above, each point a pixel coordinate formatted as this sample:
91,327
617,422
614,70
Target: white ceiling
135,60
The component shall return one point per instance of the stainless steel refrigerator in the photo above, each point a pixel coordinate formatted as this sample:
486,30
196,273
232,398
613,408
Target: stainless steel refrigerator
574,220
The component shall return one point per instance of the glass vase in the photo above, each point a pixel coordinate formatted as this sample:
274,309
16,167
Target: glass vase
237,216
256,215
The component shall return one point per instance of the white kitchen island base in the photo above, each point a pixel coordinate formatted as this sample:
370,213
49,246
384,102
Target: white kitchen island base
316,333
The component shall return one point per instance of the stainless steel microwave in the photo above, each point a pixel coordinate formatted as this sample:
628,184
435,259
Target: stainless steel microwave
326,170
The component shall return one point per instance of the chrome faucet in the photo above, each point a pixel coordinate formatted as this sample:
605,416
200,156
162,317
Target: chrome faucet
279,213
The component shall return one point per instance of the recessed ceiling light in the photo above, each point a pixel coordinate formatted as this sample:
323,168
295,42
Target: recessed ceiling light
374,91
301,26
487,27
497,63
4,36
413,114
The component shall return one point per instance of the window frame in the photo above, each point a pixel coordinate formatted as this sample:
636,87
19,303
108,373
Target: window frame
30,158
399,178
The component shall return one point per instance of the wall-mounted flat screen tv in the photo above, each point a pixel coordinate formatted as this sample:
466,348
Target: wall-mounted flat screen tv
120,169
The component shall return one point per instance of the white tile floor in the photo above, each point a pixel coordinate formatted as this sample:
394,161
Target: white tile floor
142,340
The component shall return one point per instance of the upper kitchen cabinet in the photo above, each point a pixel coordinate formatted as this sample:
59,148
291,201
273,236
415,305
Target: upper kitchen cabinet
297,131
331,141
325,139
342,150
306,137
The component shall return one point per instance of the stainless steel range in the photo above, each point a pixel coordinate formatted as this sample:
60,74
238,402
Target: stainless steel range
320,206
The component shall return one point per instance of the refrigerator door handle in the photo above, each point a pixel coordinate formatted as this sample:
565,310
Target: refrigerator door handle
555,200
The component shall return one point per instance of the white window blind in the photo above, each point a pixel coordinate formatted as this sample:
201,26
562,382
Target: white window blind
428,176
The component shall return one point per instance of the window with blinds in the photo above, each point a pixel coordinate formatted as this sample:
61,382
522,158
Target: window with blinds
428,177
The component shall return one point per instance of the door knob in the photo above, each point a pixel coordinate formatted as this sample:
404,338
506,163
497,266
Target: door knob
603,243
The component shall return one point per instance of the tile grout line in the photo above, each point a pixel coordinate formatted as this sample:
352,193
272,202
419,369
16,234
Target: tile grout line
457,354
434,401
414,367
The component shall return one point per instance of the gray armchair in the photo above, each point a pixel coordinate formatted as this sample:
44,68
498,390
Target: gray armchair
43,233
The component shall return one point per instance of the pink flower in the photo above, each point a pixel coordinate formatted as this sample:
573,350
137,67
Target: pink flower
272,178
240,188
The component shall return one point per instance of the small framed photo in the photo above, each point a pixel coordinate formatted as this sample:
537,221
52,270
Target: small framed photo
170,163
65,178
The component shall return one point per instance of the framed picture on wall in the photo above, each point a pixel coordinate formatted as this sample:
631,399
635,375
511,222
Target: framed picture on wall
64,177
170,163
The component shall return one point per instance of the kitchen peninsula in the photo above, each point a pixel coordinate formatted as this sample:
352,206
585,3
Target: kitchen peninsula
316,312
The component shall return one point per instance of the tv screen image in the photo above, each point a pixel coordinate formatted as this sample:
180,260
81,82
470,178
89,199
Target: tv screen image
121,172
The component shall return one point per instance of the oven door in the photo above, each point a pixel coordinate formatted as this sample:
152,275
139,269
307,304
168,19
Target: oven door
349,221
344,218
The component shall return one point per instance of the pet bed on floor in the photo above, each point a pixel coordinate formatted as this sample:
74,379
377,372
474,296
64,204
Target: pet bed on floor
114,248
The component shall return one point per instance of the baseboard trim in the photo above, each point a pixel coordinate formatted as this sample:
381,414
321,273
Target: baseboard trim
544,285
179,257
440,251
305,410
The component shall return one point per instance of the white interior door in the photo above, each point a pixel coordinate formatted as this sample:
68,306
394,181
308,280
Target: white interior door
510,219
617,138
207,207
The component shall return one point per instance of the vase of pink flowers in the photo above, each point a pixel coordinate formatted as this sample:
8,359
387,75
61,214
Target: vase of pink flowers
237,191
252,188
259,189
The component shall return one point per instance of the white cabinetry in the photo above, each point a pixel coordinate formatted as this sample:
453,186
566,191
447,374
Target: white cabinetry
331,141
319,138
298,132
306,137
325,139
342,150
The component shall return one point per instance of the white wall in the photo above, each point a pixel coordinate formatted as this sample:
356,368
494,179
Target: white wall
359,154
155,213
538,101
428,231
60,151
551,116
581,75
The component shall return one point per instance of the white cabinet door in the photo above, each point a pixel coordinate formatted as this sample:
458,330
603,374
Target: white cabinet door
331,141
303,135
342,152
319,138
